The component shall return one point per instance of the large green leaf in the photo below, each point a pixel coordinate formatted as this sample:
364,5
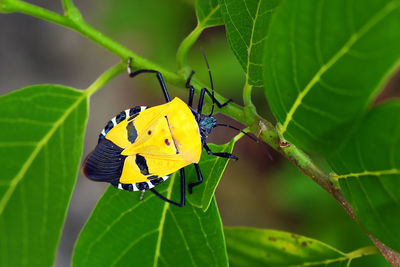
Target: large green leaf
258,247
369,173
41,136
324,63
123,231
246,24
208,13
212,169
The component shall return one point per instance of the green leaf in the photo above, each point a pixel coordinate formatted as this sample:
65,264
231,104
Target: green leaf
41,137
123,231
246,24
258,247
369,173
324,63
212,168
208,13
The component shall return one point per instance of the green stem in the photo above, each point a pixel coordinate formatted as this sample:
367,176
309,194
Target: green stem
186,44
105,78
75,22
9,6
249,108
369,250
71,11
247,94
232,110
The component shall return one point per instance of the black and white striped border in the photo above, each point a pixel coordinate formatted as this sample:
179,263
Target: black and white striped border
150,185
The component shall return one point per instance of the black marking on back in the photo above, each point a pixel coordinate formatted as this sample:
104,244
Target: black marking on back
142,186
132,133
105,163
142,164
120,117
152,177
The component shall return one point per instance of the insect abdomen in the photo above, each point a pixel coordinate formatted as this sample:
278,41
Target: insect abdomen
105,163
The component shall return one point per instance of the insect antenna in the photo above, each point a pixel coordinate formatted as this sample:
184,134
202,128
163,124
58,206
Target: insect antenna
248,135
211,81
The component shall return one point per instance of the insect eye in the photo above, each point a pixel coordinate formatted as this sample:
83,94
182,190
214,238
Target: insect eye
149,132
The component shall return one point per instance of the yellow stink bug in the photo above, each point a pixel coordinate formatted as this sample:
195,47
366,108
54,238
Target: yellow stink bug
141,147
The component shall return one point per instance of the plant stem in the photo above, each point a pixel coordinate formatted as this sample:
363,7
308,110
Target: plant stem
79,25
71,11
186,44
247,94
105,78
9,6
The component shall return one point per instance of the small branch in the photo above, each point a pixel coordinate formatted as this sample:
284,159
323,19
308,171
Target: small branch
247,89
9,6
183,49
187,43
71,11
105,78
249,108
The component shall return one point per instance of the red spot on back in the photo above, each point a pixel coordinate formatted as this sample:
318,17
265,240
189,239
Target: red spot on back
167,142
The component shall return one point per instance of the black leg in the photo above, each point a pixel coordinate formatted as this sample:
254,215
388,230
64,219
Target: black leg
182,203
191,88
219,154
159,77
199,176
215,100
201,101
191,95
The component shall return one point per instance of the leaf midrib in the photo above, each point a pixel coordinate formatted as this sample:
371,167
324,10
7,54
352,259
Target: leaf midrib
251,42
364,251
20,175
162,221
342,51
208,17
369,173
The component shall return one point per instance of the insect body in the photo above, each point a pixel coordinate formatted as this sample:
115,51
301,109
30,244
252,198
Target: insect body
141,147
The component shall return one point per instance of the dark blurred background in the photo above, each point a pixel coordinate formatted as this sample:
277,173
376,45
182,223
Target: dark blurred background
254,191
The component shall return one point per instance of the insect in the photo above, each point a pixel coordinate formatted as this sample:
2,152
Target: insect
141,147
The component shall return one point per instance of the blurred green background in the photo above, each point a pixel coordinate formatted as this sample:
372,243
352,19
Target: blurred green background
254,191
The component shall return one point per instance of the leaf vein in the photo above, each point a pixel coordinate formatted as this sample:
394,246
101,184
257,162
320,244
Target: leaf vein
20,175
336,57
393,171
183,237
